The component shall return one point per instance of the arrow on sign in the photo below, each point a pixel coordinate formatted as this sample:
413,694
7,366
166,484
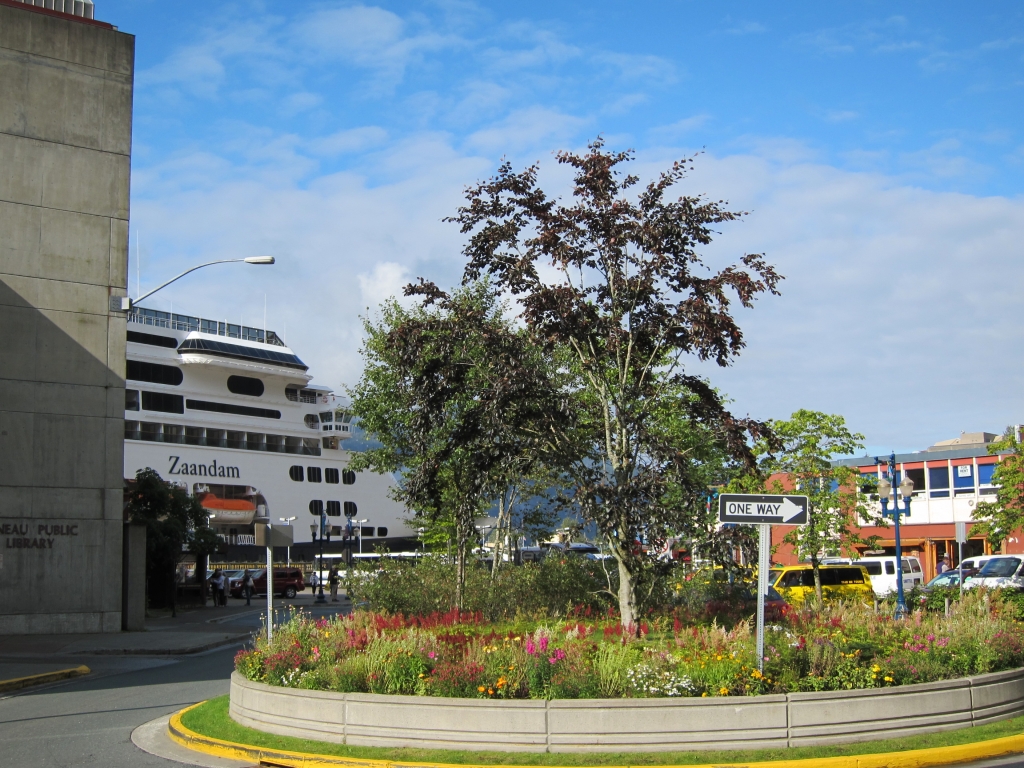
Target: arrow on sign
762,508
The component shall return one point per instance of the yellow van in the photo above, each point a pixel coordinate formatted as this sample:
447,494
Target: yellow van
838,582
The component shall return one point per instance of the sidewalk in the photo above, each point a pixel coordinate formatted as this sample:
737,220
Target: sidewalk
193,630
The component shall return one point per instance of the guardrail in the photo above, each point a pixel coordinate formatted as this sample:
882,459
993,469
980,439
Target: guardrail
603,725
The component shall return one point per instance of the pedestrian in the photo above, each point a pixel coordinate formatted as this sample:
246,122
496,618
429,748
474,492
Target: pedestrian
247,586
333,579
944,565
218,588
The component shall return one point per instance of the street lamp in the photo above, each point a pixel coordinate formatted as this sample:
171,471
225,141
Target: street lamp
325,533
906,488
288,550
364,520
248,260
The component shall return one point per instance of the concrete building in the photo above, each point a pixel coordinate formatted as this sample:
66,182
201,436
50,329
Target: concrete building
65,140
950,479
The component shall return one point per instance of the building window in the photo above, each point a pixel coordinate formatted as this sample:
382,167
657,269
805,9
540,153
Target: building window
963,480
917,477
295,473
163,402
334,508
938,482
382,532
154,373
331,475
350,509
313,475
316,507
348,477
985,473
131,399
245,385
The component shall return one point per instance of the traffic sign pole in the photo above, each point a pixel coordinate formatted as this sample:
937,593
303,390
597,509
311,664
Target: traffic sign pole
764,551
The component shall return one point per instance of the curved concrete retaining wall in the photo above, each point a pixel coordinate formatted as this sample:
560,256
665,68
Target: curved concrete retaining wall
611,725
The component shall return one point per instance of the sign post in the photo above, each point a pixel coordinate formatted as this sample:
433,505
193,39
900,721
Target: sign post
270,537
961,539
764,511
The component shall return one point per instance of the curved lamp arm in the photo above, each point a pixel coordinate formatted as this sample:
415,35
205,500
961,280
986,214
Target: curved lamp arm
247,260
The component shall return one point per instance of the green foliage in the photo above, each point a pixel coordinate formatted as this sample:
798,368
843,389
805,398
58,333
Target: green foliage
175,523
554,586
1000,518
810,440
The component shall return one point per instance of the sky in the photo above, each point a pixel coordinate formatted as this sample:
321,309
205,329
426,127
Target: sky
878,149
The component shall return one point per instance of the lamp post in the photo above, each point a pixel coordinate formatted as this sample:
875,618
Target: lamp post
906,488
248,260
288,550
324,533
364,520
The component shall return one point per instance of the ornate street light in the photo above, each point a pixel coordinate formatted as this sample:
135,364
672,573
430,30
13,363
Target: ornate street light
906,489
325,533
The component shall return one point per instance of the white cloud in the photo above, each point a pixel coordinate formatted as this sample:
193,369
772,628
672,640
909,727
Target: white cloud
350,140
384,282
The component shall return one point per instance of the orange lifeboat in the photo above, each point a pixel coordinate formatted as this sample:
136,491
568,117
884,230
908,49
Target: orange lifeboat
237,511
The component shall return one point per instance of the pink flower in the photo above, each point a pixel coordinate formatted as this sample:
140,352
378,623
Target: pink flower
530,647
543,644
931,638
431,655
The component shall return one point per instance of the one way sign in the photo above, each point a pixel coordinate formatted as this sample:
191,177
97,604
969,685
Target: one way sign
757,508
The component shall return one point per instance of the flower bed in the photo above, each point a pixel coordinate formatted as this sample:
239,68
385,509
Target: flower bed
462,656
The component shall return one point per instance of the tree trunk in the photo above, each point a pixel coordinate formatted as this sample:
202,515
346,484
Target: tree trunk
815,565
462,539
627,598
498,534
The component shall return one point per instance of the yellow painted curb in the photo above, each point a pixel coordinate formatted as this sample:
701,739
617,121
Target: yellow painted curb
914,758
17,683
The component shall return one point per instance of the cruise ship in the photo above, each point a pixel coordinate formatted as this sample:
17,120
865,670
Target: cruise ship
230,413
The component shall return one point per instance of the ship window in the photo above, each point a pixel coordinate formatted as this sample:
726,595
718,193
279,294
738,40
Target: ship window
217,438
300,395
168,342
255,441
194,436
382,532
131,430
311,421
367,530
313,474
316,507
239,410
326,417
334,508
236,439
331,475
348,477
275,443
238,352
163,402
131,399
245,385
154,373
173,433
310,446
150,431
295,473
350,509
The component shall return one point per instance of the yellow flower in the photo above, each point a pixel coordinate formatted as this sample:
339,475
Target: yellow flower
723,691
704,694
876,668
481,689
887,679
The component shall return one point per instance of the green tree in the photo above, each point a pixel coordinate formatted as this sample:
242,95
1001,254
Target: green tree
175,522
810,440
613,287
1000,518
453,393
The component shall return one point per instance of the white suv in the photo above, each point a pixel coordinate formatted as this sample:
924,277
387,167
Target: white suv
882,569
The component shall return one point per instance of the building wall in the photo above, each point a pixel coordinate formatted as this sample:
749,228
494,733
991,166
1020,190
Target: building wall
65,142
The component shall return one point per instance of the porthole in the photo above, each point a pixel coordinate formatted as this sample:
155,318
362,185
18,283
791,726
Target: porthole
316,507
334,509
296,473
348,477
245,385
313,475
331,475
382,532
350,509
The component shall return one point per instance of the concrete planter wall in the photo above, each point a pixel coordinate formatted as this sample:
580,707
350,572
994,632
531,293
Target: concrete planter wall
610,725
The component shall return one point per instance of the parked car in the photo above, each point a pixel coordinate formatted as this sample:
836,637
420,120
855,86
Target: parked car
882,570
287,583
944,580
999,573
795,583
972,565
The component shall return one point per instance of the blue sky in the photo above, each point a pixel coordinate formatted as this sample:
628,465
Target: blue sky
878,147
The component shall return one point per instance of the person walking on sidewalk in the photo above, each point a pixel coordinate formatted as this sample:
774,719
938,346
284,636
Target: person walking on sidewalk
218,588
247,586
333,579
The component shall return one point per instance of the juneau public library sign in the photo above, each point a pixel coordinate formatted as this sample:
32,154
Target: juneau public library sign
25,535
